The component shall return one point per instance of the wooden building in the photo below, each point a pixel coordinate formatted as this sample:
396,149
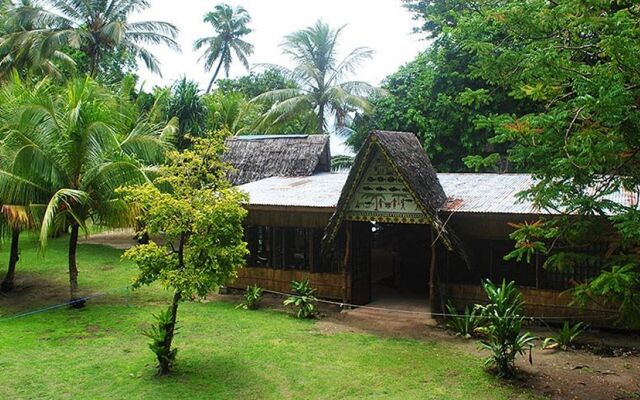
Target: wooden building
390,226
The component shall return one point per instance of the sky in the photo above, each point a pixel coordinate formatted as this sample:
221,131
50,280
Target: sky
383,25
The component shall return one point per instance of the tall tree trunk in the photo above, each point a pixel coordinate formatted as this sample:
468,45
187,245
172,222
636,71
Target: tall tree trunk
73,268
215,75
165,359
321,118
14,256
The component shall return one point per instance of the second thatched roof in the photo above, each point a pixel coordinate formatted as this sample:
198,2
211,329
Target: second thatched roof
263,156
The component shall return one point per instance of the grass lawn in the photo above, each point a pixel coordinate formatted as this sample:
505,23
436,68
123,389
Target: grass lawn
99,352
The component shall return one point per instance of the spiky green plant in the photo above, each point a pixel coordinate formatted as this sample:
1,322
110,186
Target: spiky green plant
565,336
302,299
505,339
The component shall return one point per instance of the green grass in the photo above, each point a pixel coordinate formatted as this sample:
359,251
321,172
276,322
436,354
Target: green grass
99,352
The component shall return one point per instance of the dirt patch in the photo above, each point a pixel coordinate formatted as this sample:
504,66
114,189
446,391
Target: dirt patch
121,239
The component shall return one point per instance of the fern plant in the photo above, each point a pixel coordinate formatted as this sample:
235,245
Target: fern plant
565,337
252,297
302,299
466,324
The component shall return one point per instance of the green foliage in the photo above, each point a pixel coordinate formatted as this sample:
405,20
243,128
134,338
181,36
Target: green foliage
617,286
200,217
252,297
65,152
230,26
302,299
574,63
158,335
341,162
187,105
467,324
48,29
319,77
256,83
565,337
439,97
505,339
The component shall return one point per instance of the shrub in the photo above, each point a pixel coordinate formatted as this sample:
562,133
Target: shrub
504,319
252,297
565,337
159,334
302,299
465,324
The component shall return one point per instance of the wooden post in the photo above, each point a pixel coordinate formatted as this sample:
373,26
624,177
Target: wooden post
432,275
345,263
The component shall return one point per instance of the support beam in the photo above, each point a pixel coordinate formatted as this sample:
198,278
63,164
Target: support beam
345,262
433,303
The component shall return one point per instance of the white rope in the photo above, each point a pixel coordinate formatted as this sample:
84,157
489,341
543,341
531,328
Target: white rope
397,310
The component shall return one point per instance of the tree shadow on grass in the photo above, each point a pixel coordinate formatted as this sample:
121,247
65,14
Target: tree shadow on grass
198,375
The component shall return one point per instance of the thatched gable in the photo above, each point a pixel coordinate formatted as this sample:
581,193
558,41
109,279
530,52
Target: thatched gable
263,156
404,153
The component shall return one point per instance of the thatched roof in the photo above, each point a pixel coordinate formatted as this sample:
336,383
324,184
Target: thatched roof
405,154
263,156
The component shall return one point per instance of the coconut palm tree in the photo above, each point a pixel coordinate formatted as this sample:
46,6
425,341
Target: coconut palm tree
13,220
15,48
69,150
320,77
230,26
92,26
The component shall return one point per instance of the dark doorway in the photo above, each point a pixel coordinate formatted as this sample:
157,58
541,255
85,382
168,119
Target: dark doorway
389,261
400,256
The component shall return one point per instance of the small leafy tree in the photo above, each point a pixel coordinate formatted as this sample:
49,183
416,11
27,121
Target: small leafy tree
504,319
201,220
302,299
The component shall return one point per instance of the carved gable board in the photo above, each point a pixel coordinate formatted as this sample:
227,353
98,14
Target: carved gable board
382,196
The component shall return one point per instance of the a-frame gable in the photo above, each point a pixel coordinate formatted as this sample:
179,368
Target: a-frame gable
382,195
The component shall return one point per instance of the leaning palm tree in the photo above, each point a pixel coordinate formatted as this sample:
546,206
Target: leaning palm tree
230,26
94,27
69,151
320,78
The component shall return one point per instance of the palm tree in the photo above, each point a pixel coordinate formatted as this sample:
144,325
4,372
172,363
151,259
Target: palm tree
13,220
187,105
68,153
16,44
230,26
319,75
92,26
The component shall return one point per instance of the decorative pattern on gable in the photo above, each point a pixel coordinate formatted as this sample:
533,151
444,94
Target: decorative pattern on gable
382,196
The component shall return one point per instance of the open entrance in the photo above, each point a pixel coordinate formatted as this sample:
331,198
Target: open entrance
391,264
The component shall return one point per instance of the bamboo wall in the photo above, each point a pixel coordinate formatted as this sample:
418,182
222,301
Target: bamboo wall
330,286
539,303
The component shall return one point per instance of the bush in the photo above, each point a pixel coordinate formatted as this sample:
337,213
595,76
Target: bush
302,299
252,297
504,319
465,324
565,337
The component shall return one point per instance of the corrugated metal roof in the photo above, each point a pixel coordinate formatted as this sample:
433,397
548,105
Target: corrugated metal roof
319,190
466,192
